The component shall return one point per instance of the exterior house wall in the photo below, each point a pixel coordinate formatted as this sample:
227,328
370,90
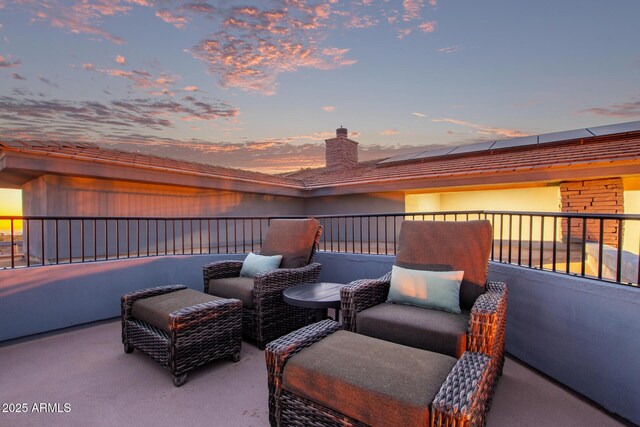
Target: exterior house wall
355,204
72,196
631,241
537,199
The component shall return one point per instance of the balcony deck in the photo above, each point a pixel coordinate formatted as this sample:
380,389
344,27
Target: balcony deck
86,367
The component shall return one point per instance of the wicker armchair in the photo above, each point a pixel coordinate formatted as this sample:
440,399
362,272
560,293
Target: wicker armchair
265,315
450,392
434,245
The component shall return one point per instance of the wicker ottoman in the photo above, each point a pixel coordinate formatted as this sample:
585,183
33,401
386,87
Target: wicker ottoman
321,375
181,328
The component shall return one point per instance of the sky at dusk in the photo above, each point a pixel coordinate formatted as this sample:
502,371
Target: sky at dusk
260,84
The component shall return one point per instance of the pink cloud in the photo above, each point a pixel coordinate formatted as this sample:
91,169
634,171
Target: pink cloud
8,63
167,16
254,64
412,9
404,32
365,21
120,59
389,132
419,114
141,79
190,88
329,108
625,109
83,16
427,27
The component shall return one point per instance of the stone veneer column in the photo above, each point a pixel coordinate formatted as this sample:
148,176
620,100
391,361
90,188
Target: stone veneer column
594,196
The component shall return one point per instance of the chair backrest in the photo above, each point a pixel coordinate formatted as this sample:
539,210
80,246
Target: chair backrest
446,246
295,239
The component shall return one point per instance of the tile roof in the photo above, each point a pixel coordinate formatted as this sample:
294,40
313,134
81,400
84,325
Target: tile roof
592,151
96,153
595,151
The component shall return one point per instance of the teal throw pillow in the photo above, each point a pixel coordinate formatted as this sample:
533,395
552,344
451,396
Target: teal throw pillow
439,290
254,264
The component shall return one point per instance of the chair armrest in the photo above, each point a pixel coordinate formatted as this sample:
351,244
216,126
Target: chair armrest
487,323
465,394
220,270
279,351
275,281
360,295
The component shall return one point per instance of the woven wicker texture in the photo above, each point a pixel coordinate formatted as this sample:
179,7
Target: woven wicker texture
270,316
279,351
197,334
463,399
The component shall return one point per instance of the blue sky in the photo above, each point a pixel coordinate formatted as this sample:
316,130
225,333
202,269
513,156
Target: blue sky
261,84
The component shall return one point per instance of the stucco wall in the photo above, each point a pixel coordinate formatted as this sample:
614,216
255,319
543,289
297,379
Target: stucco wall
533,199
40,299
355,204
61,196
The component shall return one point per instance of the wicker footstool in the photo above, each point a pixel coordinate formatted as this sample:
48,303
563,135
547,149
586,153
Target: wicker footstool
321,375
181,328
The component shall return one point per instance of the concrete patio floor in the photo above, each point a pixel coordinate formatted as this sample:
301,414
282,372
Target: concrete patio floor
85,367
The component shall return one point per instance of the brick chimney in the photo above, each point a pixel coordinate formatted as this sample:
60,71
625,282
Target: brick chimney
341,152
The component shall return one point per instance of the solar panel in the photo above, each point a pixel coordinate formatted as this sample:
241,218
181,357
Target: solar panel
434,153
398,158
515,142
519,142
615,128
564,136
472,148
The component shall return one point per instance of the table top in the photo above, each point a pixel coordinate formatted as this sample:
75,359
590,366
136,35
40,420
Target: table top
314,295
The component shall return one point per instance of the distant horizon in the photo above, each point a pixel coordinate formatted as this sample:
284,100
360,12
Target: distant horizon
259,85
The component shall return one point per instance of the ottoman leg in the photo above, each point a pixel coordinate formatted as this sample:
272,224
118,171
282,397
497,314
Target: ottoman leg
128,348
235,357
179,380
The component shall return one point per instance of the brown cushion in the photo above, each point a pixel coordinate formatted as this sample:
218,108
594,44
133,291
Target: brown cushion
418,327
291,238
446,246
373,381
234,287
156,310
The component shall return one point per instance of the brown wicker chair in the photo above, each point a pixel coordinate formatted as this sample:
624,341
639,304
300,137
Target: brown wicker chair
385,384
436,245
265,315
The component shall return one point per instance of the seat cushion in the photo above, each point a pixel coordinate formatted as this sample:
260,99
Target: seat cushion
373,381
446,246
155,310
233,287
291,238
432,330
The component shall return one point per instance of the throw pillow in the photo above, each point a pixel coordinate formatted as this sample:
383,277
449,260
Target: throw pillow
254,264
439,290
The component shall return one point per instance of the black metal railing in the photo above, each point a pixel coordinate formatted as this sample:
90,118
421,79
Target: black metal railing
602,246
